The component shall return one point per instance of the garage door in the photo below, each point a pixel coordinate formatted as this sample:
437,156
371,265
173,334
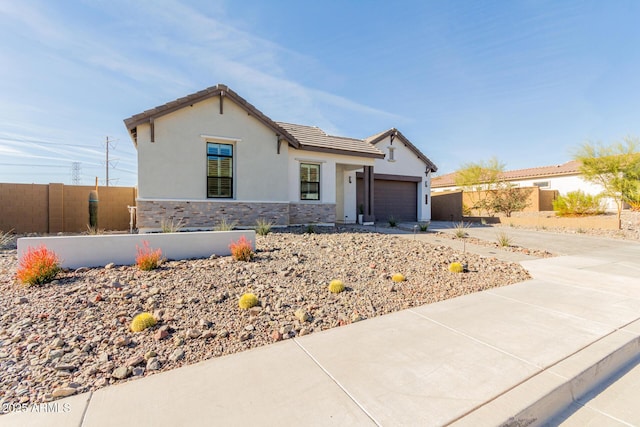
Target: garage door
395,198
392,198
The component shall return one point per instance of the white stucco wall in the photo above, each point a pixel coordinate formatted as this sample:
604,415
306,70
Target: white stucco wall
335,187
174,166
406,163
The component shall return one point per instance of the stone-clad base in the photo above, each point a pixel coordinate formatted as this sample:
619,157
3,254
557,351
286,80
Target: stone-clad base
207,214
312,213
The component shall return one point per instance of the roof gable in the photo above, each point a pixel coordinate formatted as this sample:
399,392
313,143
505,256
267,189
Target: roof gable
219,90
394,133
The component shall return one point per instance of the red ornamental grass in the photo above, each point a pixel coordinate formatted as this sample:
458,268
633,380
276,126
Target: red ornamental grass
241,250
148,258
38,266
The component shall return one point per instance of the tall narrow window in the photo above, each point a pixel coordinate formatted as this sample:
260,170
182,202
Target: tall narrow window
219,170
309,181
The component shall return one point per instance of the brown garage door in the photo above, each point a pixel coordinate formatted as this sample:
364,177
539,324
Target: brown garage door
392,198
395,198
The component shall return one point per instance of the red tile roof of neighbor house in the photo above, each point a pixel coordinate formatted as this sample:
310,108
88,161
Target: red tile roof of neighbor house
569,168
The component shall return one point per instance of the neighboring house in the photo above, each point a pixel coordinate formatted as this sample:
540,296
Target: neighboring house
211,154
563,178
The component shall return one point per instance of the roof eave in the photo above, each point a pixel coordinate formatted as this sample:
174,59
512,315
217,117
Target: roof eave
345,152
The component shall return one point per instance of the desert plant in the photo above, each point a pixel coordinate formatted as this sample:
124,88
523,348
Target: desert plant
311,229
456,267
142,321
424,226
241,250
170,225
578,203
398,278
247,301
225,225
5,238
460,229
263,227
392,221
147,258
336,286
38,266
94,230
93,208
503,239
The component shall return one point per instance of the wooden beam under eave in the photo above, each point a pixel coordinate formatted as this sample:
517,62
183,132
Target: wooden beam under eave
152,124
221,102
279,142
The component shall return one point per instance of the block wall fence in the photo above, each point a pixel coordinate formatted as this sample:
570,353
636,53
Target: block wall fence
54,208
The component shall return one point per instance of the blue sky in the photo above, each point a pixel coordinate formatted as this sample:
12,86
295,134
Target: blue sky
525,81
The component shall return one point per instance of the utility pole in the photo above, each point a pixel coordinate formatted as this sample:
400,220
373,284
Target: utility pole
75,173
107,164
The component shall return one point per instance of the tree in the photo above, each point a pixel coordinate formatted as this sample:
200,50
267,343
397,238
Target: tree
508,198
477,178
614,167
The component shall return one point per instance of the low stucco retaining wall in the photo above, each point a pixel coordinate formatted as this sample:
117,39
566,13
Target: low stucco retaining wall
599,222
97,251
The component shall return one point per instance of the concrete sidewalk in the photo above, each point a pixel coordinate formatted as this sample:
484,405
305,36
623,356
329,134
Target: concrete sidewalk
521,354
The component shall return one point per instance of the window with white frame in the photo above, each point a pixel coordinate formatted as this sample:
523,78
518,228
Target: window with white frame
219,170
542,184
309,181
391,157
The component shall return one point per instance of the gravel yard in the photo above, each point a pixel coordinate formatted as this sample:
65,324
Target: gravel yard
72,335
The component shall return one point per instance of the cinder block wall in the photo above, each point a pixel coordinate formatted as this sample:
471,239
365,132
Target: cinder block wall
54,208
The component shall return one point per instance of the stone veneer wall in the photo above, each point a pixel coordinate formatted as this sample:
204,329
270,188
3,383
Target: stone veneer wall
207,214
312,213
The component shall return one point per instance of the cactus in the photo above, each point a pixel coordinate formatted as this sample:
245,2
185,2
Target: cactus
142,321
336,286
93,209
398,278
247,301
456,267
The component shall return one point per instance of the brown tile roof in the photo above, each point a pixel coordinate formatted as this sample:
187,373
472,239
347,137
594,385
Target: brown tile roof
315,139
374,139
569,168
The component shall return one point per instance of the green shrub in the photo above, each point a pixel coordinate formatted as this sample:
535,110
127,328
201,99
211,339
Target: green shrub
311,229
142,321
460,229
578,203
504,240
456,267
225,225
247,301
424,226
263,227
170,225
336,286
392,221
5,238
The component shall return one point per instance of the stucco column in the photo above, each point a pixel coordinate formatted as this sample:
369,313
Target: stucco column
369,212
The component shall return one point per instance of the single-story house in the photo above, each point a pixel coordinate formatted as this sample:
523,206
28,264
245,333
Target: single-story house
563,178
212,154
